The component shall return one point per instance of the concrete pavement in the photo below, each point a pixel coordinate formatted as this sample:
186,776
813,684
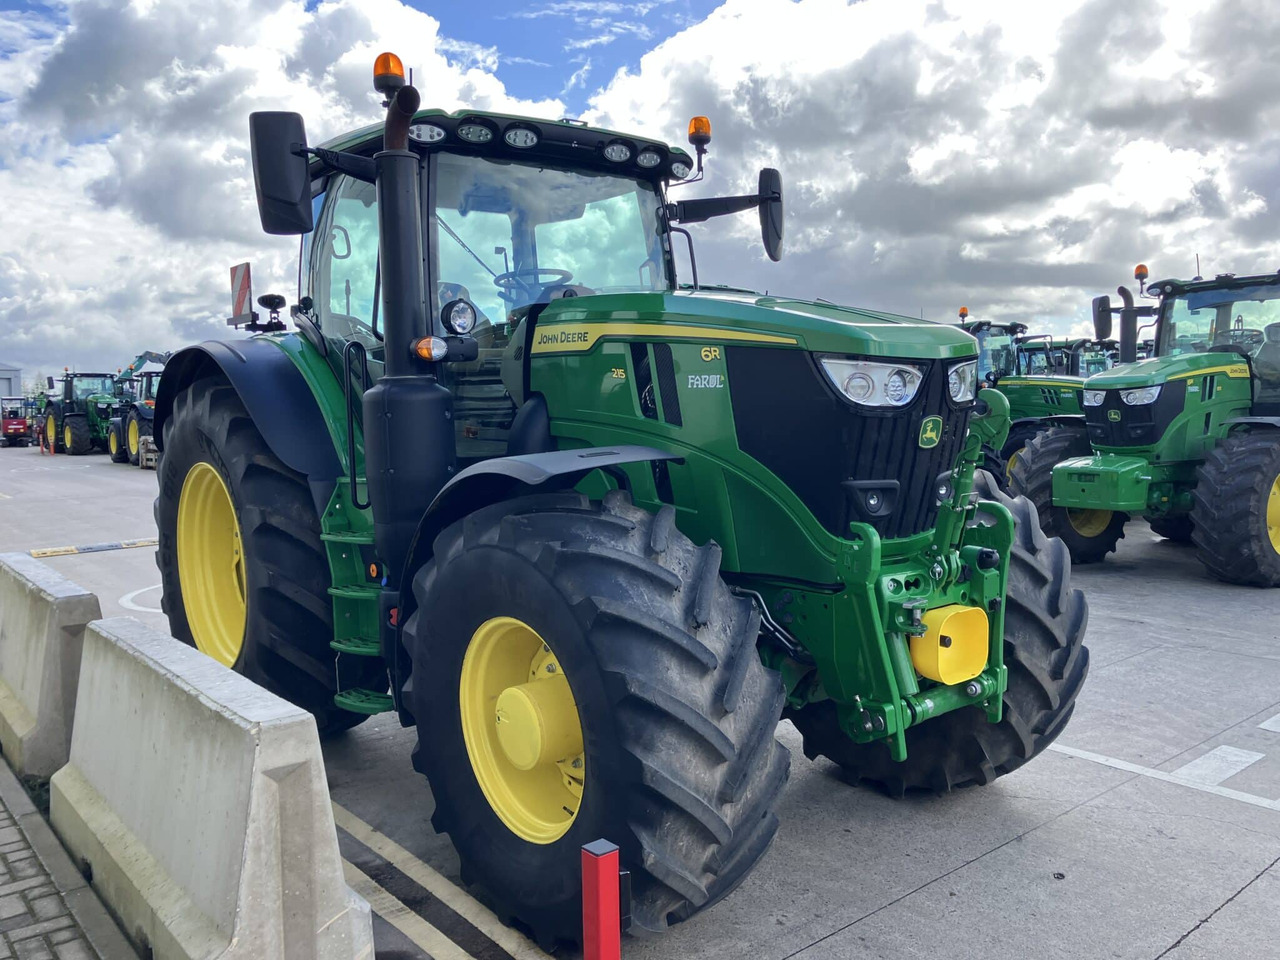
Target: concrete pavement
1154,831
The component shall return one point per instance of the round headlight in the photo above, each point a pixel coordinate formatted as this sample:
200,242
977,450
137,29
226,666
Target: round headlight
459,317
521,137
680,170
648,159
426,133
858,387
617,152
475,133
1094,398
895,388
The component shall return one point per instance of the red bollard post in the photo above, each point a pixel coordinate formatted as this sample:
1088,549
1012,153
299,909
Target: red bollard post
601,913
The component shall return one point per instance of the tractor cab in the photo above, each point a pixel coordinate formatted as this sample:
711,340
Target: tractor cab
997,345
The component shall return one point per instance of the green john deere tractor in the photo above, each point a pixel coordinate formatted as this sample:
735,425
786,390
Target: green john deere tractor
594,531
79,419
124,442
1040,376
1189,438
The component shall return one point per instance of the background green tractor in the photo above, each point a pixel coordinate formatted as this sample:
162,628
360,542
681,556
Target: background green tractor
1040,376
77,418
593,531
138,411
1189,438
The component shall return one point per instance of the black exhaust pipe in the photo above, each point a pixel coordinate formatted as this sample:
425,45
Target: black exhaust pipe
409,447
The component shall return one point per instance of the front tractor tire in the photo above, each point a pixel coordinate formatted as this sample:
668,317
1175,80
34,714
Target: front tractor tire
1089,534
1236,513
135,428
115,445
52,435
77,439
652,719
241,562
1044,651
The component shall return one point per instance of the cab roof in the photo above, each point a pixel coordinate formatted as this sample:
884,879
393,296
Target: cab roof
1221,281
565,142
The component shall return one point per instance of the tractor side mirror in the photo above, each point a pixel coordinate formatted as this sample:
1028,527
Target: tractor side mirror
278,141
49,382
1102,317
771,221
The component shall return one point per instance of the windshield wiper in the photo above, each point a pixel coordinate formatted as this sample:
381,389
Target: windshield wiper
462,243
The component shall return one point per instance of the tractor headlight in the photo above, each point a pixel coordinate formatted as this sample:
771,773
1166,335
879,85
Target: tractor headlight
873,384
1141,396
459,317
1094,398
962,380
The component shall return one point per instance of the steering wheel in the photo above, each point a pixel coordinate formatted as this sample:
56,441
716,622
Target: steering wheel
507,282
1248,336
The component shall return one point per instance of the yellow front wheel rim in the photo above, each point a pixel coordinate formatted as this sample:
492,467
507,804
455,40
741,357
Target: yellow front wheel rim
133,437
51,431
1273,515
66,436
211,567
1009,465
113,444
1089,523
521,728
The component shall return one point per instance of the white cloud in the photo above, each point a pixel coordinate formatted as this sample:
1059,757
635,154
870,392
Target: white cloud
1016,157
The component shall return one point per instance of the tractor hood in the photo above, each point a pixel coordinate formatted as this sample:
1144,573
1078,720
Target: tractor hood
1145,373
775,321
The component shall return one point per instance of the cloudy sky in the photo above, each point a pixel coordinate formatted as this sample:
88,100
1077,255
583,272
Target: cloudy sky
1017,157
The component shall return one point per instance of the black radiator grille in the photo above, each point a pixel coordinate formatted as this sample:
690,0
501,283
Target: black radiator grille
1116,424
789,417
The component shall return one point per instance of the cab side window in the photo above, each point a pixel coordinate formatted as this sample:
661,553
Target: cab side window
346,257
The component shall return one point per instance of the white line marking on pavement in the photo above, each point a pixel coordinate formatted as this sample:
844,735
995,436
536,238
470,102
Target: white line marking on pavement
462,903
1151,774
1217,765
127,601
435,943
1272,724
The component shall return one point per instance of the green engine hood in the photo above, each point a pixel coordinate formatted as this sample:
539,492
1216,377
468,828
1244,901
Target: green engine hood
778,321
1145,373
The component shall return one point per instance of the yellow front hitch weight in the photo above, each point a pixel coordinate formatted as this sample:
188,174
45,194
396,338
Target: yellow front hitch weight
954,646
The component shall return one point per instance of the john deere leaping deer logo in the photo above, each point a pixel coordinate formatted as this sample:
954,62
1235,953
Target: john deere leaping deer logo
930,432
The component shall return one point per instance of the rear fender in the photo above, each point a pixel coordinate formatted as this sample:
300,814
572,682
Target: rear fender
275,393
1253,423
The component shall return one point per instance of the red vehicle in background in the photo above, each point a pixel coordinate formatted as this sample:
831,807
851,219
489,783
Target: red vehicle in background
16,426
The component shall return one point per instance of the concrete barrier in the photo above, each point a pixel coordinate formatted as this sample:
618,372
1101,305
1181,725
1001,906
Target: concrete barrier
197,802
42,621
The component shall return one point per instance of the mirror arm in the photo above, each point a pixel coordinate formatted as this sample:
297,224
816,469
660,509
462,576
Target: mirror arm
357,167
696,211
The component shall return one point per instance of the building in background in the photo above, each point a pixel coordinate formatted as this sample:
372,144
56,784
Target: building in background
10,380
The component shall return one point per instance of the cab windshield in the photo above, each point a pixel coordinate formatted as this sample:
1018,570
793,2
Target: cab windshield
82,387
995,353
509,235
1202,321
1095,361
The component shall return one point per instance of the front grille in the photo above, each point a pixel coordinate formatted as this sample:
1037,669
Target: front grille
789,417
1138,426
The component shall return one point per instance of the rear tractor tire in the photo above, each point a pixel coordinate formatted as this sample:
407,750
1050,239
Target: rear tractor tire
1089,534
115,446
1044,628
1237,509
242,565
76,437
135,428
654,721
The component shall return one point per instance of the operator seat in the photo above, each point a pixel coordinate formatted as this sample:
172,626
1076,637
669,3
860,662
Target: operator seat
1266,364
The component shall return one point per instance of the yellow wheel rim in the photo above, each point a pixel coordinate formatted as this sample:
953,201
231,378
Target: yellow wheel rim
112,443
51,431
133,437
1009,465
1273,515
1089,523
521,728
66,436
211,564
